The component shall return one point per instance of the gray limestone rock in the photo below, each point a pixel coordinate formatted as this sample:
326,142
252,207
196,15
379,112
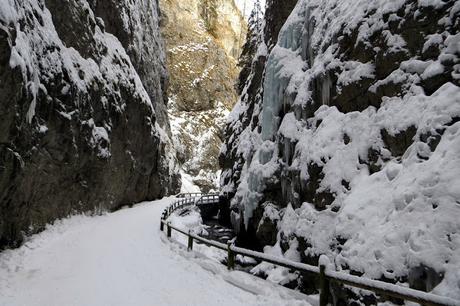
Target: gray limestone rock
82,106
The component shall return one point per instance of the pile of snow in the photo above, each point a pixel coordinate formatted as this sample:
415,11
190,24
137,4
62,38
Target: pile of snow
188,186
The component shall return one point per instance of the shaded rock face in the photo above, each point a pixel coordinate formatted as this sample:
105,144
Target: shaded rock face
203,40
275,16
139,32
339,129
83,120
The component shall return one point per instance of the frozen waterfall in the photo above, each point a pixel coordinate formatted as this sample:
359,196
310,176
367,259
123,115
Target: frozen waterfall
284,62
284,69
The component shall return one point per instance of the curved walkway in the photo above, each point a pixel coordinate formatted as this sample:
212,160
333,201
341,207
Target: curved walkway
122,259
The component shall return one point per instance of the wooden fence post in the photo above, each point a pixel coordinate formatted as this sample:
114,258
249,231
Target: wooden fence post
168,229
230,257
190,241
323,286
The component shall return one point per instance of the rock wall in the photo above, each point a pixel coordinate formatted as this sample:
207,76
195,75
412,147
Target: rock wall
345,143
83,126
243,123
203,39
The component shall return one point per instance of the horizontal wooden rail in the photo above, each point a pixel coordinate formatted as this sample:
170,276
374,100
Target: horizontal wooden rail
188,195
276,260
326,276
194,194
205,241
391,290
208,242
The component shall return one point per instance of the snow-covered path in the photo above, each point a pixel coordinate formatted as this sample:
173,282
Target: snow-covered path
122,259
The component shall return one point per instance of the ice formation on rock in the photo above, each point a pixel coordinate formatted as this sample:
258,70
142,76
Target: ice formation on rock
352,135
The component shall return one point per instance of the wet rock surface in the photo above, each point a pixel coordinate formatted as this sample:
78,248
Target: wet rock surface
217,232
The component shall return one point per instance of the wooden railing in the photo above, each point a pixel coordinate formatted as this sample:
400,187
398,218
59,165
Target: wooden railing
187,200
189,195
208,199
325,276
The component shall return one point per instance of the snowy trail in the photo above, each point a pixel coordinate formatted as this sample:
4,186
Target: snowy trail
122,259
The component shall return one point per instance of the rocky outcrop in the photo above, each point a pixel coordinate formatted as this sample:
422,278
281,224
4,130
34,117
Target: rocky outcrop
84,126
351,135
137,28
244,118
203,40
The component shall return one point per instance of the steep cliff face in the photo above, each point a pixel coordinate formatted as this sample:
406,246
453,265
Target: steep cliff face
349,146
203,39
83,115
243,123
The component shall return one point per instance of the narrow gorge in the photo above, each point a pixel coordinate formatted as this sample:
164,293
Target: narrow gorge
108,103
326,131
203,42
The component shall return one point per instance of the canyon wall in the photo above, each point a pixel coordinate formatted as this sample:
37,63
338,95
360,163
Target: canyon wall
345,142
204,39
84,124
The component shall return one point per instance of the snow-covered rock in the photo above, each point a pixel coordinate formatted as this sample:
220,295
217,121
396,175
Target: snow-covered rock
83,122
352,132
203,40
